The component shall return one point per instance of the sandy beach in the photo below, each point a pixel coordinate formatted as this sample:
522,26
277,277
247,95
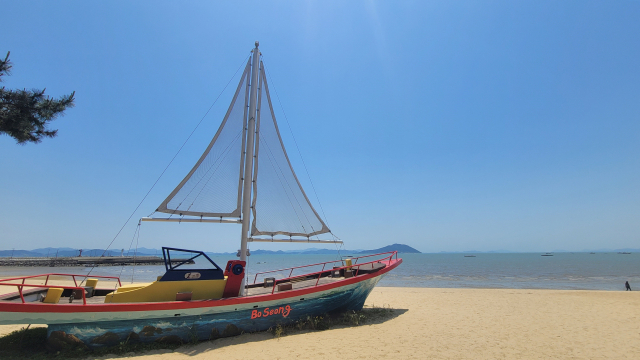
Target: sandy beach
454,324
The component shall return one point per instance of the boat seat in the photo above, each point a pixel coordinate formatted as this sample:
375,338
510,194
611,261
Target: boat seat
53,295
167,291
268,282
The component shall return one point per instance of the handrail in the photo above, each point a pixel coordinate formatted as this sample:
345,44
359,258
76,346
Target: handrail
20,286
323,263
364,256
73,276
58,274
319,273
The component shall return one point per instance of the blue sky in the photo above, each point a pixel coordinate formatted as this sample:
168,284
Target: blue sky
447,126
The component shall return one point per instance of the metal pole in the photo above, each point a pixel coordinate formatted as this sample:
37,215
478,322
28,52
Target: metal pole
248,165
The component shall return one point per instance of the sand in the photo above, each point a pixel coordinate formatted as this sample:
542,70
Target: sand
455,324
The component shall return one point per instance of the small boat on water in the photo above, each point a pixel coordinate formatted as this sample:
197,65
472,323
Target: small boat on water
243,177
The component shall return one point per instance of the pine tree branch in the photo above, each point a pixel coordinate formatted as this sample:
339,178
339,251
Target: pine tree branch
25,114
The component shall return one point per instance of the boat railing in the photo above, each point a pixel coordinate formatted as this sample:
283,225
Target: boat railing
386,259
3,282
324,264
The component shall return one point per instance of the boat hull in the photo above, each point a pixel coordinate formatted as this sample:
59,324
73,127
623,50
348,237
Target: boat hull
109,324
207,326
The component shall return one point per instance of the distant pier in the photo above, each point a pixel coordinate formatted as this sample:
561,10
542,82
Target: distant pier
84,261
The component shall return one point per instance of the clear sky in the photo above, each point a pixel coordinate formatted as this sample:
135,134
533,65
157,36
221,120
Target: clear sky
447,126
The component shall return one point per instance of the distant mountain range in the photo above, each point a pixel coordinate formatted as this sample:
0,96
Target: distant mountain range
70,252
401,248
67,252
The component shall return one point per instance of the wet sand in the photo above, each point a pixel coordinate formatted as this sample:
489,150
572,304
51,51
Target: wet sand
454,324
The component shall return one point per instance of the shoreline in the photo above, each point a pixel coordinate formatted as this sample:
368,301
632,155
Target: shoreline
454,323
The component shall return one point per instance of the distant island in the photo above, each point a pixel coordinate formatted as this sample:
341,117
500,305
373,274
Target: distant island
70,252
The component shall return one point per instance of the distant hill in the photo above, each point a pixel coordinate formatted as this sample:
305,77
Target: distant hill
19,253
401,248
69,252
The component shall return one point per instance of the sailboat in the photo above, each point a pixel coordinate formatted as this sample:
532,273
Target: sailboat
244,177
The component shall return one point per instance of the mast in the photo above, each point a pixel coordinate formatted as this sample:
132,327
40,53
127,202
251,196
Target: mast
249,157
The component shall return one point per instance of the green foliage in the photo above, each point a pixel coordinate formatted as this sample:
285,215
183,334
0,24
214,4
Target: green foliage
193,334
326,322
278,331
25,114
24,343
353,318
32,344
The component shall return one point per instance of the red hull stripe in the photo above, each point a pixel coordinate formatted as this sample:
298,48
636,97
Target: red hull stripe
177,305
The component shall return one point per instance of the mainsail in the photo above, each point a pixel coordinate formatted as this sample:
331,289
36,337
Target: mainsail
280,205
213,187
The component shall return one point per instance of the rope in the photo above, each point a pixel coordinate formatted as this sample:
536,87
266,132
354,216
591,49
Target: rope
135,254
130,245
167,167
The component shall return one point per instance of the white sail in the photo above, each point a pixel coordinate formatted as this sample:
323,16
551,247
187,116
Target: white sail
213,187
280,205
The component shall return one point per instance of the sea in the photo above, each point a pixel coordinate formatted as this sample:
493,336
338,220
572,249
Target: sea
569,271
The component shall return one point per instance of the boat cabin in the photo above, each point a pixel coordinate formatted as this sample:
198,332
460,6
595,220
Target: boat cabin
190,275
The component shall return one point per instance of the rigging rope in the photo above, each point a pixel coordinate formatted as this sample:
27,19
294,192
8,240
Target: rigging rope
167,167
130,245
135,254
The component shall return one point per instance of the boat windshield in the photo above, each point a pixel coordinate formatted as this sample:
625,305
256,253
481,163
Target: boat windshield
182,259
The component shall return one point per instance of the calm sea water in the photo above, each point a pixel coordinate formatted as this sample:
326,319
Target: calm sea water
600,271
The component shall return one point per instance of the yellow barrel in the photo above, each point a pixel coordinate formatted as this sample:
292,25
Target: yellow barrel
348,263
53,295
92,283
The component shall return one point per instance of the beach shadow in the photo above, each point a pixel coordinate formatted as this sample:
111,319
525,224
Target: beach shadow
372,316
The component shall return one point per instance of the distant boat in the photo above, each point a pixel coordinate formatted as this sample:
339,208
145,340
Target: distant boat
469,256
624,253
592,253
547,254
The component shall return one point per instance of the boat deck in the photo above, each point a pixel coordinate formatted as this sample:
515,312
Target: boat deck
251,291
304,283
268,286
